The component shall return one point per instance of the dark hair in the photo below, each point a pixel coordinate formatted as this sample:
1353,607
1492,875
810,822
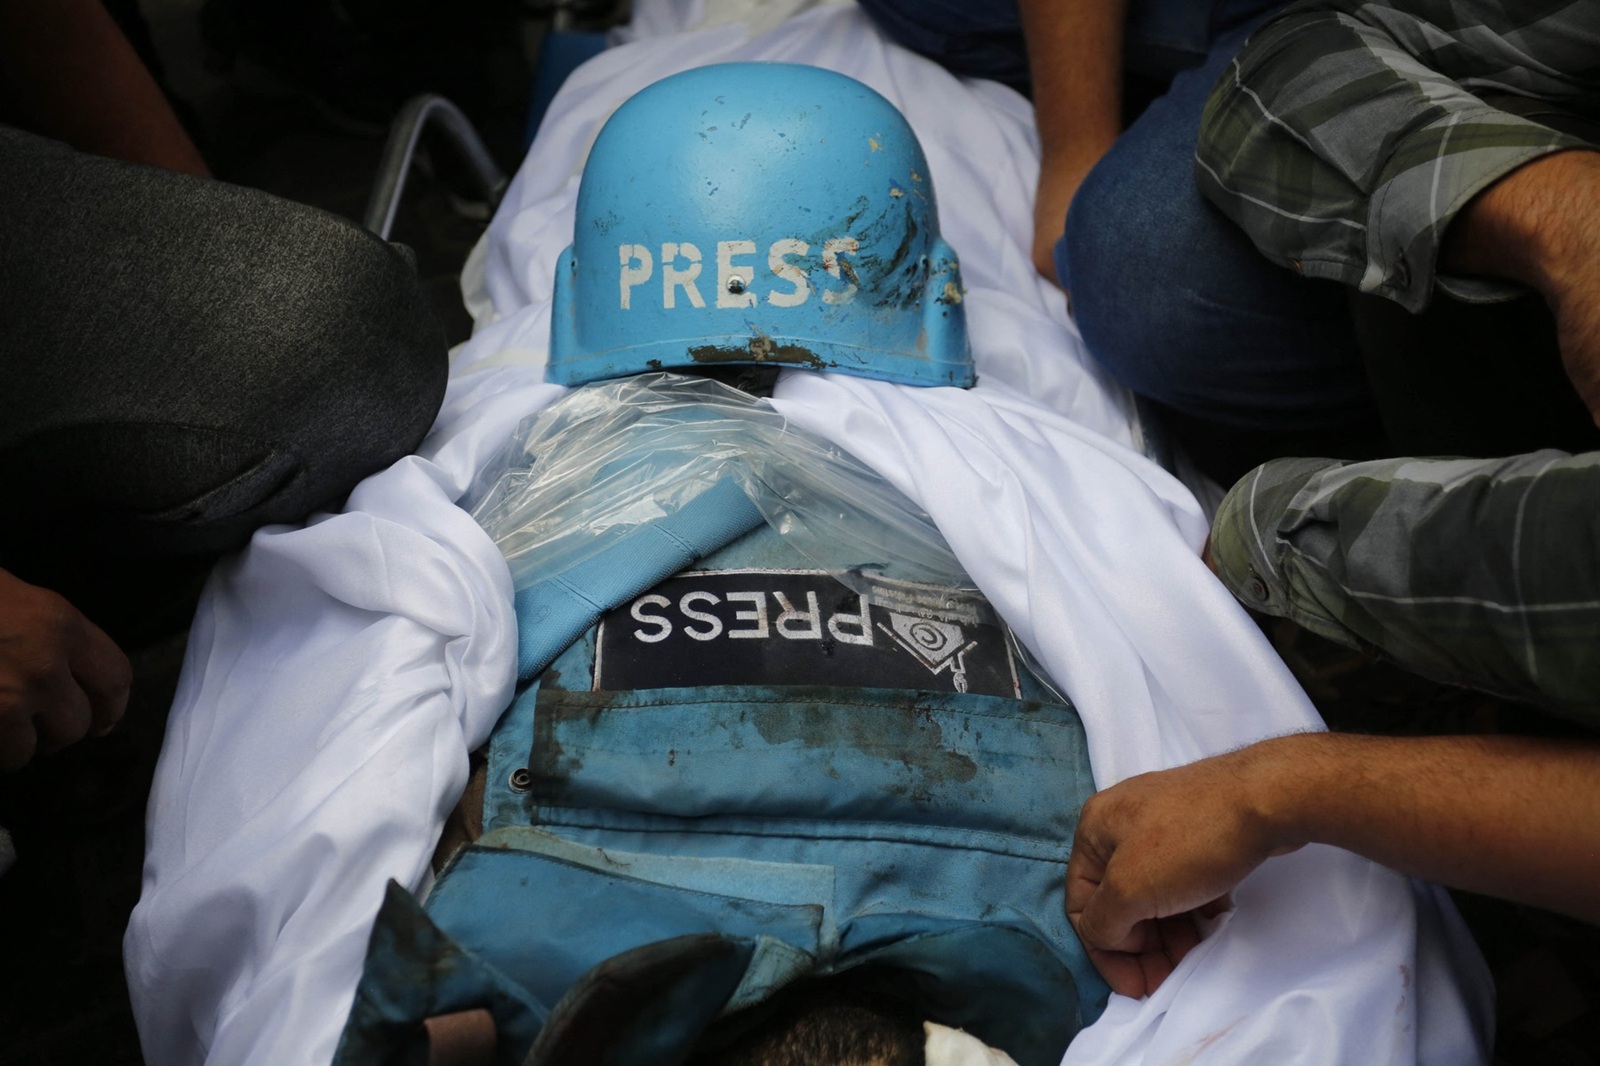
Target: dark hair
826,1022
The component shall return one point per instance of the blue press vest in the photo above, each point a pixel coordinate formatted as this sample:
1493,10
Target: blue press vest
743,773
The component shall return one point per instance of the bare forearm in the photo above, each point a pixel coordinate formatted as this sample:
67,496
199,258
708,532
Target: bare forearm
1540,225
73,74
1075,61
1515,817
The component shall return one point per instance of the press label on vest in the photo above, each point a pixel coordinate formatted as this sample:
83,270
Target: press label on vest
764,627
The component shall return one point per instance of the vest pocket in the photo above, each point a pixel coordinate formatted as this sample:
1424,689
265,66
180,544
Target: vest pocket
911,765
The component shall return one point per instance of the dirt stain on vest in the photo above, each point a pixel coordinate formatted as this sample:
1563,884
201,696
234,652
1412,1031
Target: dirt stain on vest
907,734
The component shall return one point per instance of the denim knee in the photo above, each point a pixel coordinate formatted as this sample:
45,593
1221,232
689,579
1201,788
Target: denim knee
1177,305
1123,273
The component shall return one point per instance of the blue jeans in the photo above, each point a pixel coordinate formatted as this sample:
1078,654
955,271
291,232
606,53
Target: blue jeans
1246,359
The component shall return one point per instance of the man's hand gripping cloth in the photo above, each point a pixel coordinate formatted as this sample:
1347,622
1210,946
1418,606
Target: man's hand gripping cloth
1478,572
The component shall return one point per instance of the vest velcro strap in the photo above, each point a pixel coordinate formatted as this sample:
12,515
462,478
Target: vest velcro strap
556,611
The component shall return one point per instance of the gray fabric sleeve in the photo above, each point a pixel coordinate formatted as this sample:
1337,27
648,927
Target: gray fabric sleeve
1483,573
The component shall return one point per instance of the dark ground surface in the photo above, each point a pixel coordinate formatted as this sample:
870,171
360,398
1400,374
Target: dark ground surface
77,817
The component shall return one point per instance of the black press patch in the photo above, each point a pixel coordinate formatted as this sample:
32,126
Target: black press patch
763,627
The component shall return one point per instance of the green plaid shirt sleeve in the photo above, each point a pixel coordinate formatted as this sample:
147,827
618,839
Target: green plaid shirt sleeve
1480,572
1346,135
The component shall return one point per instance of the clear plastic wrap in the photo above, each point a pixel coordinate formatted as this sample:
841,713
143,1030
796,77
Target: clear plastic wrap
610,457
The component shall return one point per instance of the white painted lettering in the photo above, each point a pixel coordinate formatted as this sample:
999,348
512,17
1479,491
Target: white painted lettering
842,625
789,617
758,616
673,278
733,282
831,249
664,629
778,262
713,628
632,274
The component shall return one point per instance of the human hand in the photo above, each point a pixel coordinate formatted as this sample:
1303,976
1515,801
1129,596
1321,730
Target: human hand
1156,853
61,677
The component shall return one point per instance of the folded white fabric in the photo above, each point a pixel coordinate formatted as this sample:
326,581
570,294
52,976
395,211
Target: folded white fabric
338,673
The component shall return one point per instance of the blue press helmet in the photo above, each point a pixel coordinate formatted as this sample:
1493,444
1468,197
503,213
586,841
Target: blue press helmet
758,213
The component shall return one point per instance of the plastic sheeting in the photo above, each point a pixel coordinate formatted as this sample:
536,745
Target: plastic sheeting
614,456
338,673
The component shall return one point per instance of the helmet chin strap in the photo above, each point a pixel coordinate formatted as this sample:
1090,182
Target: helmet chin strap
758,381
